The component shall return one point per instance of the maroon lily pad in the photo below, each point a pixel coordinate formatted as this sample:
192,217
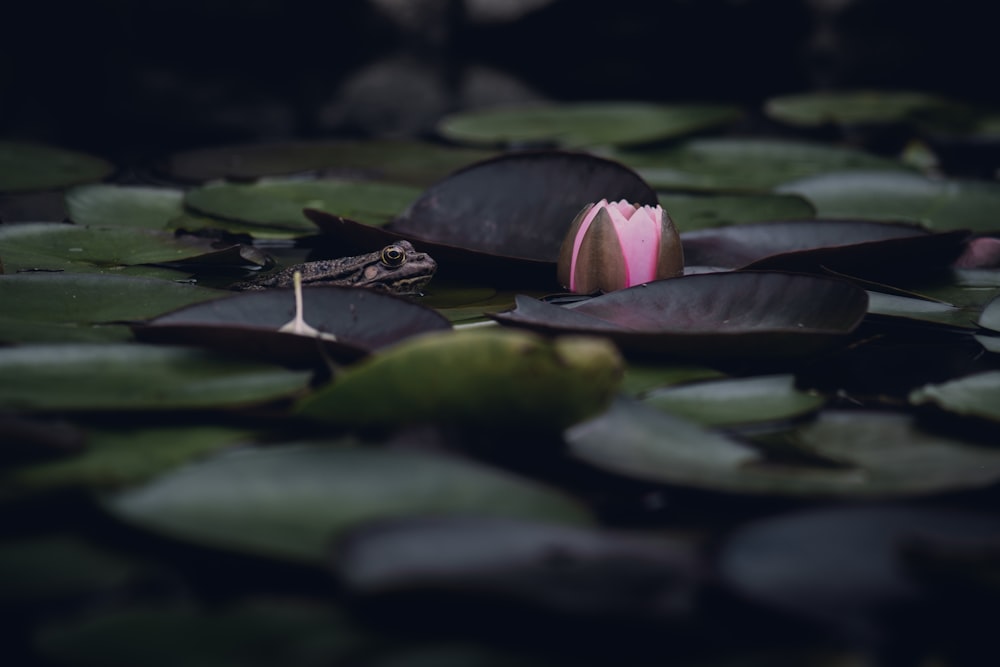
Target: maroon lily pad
710,316
362,321
501,220
864,249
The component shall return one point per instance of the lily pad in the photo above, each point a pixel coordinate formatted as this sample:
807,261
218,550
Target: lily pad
493,379
501,220
136,377
736,401
201,224
124,206
292,501
744,164
56,247
690,212
26,166
511,561
862,249
713,315
408,162
990,317
855,454
92,298
581,124
894,195
975,395
280,203
118,457
362,321
640,378
923,310
853,107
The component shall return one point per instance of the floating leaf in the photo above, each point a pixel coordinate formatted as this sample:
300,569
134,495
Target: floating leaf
280,203
408,162
990,317
200,224
975,395
853,107
124,206
116,457
362,320
576,125
640,378
863,249
990,343
894,305
492,379
511,561
736,400
293,501
256,633
856,454
54,247
715,315
690,212
894,195
25,166
743,164
56,566
135,377
500,220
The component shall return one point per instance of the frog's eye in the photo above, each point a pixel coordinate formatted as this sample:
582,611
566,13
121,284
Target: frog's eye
393,255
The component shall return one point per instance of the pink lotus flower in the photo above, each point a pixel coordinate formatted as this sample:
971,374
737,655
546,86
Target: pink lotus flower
615,245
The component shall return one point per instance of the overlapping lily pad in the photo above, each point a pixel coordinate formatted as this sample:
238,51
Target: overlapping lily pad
850,454
854,107
463,377
105,205
744,164
501,220
127,376
715,315
293,501
576,125
975,395
361,320
690,212
864,249
409,162
280,203
26,166
58,247
894,195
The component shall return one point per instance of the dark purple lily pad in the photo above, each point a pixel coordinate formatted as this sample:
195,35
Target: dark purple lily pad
501,220
712,315
362,321
864,249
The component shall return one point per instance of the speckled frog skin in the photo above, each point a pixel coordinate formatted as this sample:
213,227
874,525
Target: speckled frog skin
396,268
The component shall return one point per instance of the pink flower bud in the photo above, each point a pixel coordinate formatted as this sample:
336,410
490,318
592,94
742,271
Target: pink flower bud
615,245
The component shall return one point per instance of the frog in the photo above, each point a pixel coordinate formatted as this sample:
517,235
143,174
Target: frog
397,268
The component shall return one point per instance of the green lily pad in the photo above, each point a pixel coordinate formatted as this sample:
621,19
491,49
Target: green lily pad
497,379
54,247
735,401
293,501
855,107
575,125
59,565
256,633
990,317
280,203
975,395
894,195
124,205
25,166
117,457
894,305
990,343
93,298
743,164
642,377
14,330
136,377
855,454
690,212
416,163
196,224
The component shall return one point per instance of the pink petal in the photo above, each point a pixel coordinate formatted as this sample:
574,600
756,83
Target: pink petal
584,226
639,239
625,208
